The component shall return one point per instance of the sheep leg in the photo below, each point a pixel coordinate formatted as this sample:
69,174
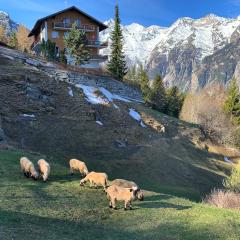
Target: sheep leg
71,171
114,203
110,204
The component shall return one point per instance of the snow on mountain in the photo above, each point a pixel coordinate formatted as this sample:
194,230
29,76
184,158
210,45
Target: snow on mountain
7,23
207,34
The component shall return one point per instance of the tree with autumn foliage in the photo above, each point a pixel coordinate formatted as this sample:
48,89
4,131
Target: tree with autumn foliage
24,42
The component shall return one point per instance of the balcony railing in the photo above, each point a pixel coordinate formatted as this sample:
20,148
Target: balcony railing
62,25
96,43
99,57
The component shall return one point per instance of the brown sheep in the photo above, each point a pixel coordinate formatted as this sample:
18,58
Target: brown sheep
28,168
129,184
76,165
44,169
116,193
96,179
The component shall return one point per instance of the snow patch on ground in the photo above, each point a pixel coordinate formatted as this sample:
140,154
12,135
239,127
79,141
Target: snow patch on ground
91,96
111,96
70,92
28,115
99,123
226,159
135,115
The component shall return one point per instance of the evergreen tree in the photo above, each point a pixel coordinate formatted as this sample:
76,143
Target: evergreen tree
48,49
158,94
62,57
13,42
117,64
232,104
75,43
132,74
174,102
144,84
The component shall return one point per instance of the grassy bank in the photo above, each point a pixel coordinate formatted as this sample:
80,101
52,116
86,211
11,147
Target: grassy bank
61,209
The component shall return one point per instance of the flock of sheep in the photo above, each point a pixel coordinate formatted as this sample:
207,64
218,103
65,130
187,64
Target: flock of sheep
119,190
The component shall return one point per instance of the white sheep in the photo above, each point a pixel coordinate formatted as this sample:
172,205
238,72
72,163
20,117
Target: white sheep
116,193
44,169
28,168
96,179
76,165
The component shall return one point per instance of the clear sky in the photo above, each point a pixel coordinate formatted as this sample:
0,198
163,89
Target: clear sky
145,12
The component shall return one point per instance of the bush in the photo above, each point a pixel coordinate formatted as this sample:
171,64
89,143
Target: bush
233,181
223,199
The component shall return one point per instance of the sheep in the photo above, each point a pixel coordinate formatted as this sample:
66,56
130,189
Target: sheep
44,169
79,166
129,184
28,168
124,183
116,193
97,179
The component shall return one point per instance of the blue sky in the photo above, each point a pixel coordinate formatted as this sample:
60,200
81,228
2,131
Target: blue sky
145,12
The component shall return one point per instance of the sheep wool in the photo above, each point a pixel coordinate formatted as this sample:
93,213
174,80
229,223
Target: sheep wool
96,179
28,168
44,169
77,165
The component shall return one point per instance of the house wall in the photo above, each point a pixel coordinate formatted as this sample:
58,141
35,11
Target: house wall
73,15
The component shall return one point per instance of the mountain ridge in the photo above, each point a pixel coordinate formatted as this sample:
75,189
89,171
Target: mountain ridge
178,51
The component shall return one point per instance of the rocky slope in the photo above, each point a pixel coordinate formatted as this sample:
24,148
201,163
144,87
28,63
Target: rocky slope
182,53
7,22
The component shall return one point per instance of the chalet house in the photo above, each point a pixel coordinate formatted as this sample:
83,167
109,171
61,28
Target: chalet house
55,26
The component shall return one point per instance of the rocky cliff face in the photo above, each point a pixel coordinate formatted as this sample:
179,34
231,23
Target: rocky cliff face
7,22
190,54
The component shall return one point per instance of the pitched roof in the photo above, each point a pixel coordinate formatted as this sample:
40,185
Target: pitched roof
39,21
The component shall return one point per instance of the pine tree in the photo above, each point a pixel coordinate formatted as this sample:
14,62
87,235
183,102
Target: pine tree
48,49
174,102
62,57
158,94
232,104
144,84
75,43
117,64
13,42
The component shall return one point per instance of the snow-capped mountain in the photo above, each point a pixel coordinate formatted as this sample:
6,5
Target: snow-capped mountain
179,51
7,22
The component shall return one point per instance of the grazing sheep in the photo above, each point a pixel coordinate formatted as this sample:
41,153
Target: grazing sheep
28,168
116,193
124,183
129,184
96,179
44,169
78,166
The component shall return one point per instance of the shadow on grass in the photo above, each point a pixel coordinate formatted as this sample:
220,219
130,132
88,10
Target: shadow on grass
18,225
157,201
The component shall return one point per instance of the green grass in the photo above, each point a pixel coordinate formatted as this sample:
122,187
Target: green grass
61,209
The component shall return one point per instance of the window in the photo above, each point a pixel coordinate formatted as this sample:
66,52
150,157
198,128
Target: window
78,22
66,34
66,22
55,34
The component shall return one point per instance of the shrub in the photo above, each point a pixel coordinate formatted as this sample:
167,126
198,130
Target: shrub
223,199
233,181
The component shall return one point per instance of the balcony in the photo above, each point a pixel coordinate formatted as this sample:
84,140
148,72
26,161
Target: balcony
96,43
101,58
68,26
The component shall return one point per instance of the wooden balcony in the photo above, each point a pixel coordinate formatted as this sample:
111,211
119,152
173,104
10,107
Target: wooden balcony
99,58
96,43
68,26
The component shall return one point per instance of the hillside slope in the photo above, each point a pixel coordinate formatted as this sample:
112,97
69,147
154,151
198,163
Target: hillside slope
55,118
61,209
